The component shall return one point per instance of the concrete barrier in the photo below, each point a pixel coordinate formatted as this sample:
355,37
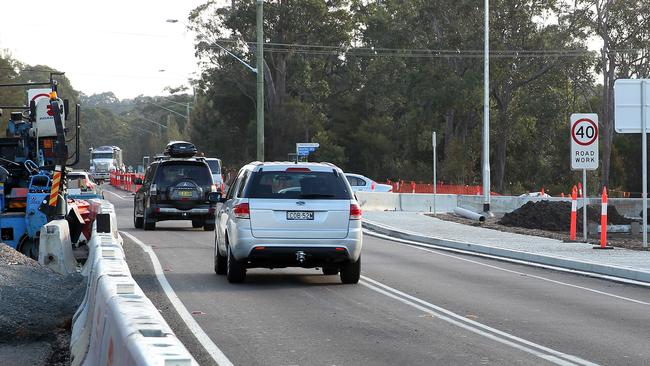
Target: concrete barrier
116,324
55,247
446,203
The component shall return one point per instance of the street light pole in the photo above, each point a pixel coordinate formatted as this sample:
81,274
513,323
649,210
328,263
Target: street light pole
486,111
260,81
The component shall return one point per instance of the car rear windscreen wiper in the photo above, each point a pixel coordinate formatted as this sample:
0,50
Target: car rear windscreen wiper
316,195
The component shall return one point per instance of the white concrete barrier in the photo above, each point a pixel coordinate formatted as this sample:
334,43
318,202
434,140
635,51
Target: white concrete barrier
116,323
445,203
55,247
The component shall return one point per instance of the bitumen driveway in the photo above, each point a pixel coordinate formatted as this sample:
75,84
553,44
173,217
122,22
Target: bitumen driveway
413,306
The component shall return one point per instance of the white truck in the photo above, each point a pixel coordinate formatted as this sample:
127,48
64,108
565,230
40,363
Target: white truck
104,160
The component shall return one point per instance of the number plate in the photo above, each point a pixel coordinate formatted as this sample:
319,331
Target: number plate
185,193
300,215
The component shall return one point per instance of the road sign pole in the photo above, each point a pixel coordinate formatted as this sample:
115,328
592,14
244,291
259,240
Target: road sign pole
644,162
260,81
584,204
486,109
435,190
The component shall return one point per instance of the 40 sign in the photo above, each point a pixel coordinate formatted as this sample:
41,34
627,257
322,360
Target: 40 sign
584,141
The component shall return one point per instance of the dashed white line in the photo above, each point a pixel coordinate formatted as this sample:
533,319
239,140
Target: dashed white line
214,351
117,195
551,355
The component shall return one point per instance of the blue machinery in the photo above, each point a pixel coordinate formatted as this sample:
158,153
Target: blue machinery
32,153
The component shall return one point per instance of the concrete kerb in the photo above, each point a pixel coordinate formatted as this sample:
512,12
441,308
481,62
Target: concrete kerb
582,266
116,323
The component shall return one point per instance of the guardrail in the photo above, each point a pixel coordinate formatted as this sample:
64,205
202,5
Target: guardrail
125,181
116,324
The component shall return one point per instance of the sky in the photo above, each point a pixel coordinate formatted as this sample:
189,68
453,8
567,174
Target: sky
118,45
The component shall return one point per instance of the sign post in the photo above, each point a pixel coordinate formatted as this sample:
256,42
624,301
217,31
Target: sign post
584,153
630,116
435,189
305,148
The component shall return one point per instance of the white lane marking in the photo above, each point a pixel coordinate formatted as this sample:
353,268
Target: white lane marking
416,244
538,350
116,195
214,351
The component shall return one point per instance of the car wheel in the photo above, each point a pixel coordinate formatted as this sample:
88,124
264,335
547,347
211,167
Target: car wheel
209,227
197,223
330,271
137,221
351,271
148,224
220,261
235,271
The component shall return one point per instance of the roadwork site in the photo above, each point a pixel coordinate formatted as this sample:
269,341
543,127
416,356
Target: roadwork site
37,308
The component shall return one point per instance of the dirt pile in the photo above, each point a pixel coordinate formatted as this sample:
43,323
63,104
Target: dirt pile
556,216
37,303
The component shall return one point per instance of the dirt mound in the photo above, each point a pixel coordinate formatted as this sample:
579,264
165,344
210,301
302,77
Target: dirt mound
556,216
36,302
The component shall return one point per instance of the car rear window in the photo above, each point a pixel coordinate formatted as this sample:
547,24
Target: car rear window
294,185
214,166
171,174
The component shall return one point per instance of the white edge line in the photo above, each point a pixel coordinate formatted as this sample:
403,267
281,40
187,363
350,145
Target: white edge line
531,275
214,351
510,260
474,326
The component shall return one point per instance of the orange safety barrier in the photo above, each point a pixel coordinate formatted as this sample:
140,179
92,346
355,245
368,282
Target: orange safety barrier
441,188
125,181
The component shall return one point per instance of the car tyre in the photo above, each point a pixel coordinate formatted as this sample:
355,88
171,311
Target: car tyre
220,261
209,227
330,271
235,271
351,272
137,221
197,223
148,224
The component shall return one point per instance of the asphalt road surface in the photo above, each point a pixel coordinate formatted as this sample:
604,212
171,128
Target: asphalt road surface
413,306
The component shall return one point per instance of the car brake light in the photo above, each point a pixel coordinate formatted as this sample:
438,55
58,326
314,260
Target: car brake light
298,170
355,212
242,211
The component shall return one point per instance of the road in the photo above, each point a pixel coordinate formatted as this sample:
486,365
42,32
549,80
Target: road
413,306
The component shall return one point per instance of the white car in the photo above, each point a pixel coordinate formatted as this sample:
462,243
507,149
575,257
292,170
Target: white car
359,183
217,178
81,184
278,215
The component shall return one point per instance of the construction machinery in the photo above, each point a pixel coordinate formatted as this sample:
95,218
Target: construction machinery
33,160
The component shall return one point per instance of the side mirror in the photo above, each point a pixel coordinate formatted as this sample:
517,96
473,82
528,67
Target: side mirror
137,181
215,197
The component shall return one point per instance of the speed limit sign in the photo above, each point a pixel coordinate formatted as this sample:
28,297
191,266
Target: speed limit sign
584,141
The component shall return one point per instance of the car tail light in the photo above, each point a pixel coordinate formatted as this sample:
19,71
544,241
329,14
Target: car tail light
223,188
298,170
242,211
372,186
355,212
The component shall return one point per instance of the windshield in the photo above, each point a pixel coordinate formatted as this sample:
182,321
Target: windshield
102,155
215,167
292,185
172,174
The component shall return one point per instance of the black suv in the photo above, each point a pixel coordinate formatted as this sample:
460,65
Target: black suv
175,189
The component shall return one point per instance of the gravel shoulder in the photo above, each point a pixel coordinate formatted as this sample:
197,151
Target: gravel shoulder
37,308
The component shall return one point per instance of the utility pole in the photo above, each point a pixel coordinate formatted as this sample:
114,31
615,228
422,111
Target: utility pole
260,81
486,111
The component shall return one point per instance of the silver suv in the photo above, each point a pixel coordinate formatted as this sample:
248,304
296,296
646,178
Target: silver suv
281,214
